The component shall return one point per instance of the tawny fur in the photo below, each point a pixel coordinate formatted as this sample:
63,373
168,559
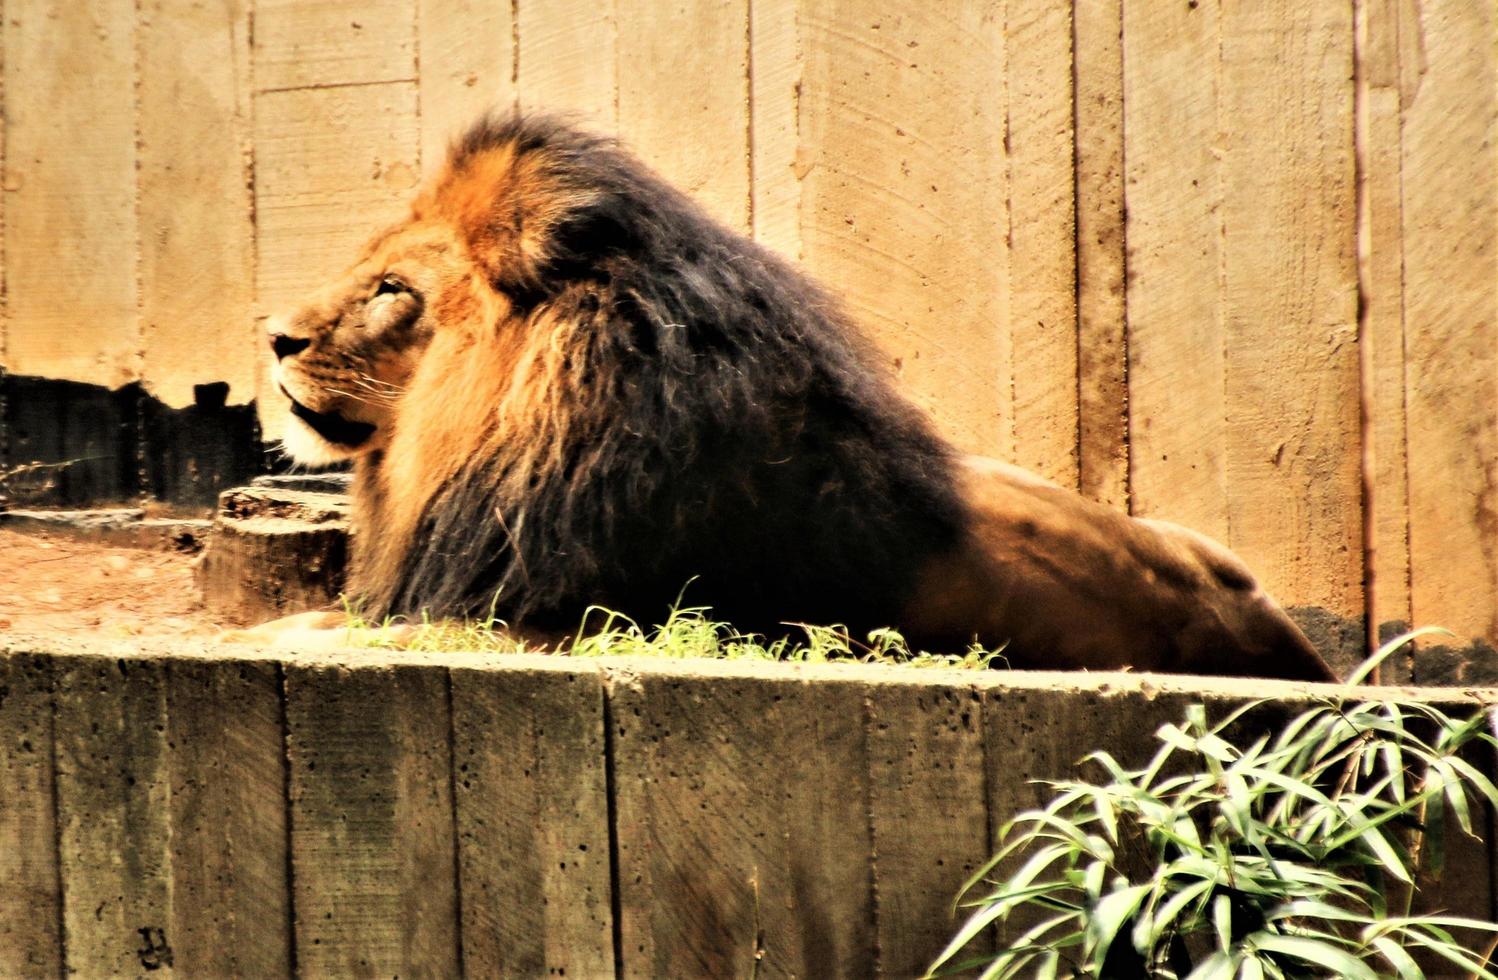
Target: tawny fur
564,385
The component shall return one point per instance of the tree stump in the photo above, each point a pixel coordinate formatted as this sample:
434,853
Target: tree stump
274,551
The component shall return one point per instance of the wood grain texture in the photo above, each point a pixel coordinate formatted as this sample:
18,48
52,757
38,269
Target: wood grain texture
1177,442
333,42
1450,223
467,58
30,902
741,805
1381,258
569,59
904,199
1290,303
70,223
332,167
1042,237
532,821
197,251
114,816
777,162
231,899
372,834
683,73
1102,339
926,756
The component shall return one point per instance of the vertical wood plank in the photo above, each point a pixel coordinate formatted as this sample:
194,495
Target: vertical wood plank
532,819
197,272
231,898
1043,225
1174,238
683,70
904,199
113,802
1290,308
1102,348
569,59
1450,181
372,834
740,851
30,899
337,145
776,157
332,166
333,42
467,68
1381,257
926,756
70,227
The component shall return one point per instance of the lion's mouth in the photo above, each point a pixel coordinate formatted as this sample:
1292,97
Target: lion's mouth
330,425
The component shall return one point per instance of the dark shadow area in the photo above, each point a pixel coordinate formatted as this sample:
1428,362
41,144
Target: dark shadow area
98,445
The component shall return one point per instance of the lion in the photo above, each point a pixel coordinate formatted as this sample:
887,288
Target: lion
563,385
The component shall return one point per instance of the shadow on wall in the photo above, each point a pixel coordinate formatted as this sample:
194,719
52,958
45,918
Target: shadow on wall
118,445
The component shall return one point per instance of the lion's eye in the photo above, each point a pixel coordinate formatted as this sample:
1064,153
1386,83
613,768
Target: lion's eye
390,286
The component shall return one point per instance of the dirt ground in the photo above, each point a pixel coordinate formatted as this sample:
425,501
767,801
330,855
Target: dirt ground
60,584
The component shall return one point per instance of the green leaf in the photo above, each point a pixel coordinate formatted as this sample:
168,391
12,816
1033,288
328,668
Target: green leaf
1403,963
1316,952
1109,915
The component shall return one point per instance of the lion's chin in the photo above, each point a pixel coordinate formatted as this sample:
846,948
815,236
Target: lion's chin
310,449
320,438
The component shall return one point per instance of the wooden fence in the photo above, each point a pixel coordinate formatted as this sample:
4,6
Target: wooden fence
180,811
1234,262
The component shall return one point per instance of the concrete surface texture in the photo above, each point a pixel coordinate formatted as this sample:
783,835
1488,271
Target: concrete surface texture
212,811
1121,244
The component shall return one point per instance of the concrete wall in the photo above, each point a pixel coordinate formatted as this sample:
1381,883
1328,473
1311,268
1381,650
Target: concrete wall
187,811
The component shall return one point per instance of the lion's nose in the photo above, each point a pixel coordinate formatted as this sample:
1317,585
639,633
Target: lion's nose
285,346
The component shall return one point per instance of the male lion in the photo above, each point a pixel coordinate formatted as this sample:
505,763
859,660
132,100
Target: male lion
562,384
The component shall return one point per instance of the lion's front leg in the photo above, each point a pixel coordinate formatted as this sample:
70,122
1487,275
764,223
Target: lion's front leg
319,630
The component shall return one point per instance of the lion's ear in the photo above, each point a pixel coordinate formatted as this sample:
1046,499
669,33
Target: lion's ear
516,216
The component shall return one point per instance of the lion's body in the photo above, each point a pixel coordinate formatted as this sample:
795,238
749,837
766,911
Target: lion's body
580,390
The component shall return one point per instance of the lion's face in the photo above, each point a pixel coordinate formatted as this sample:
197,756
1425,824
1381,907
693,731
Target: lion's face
344,359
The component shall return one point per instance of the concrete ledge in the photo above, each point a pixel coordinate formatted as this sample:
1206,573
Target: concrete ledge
216,811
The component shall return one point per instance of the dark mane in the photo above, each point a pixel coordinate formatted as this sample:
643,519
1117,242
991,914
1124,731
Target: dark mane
711,415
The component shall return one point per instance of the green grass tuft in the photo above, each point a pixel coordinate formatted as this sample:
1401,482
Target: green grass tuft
687,632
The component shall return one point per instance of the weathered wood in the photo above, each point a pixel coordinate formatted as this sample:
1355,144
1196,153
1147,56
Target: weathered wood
70,222
231,899
1102,343
372,835
1381,343
467,67
196,261
532,818
904,204
114,816
741,802
332,167
926,756
274,552
777,163
683,74
333,42
1450,222
1042,237
30,899
1290,308
569,59
1174,234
